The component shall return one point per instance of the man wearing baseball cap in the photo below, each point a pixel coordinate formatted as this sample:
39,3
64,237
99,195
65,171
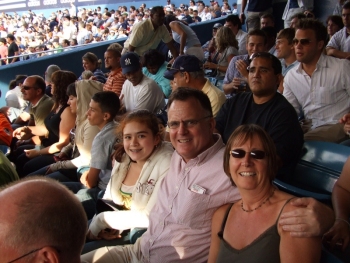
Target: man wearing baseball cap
187,71
139,91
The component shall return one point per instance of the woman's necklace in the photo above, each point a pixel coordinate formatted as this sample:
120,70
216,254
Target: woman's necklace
267,199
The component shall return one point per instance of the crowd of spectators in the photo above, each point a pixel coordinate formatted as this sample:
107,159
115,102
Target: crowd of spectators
262,93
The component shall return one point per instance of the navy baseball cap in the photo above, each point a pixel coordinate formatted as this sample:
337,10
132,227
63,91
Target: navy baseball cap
130,62
184,63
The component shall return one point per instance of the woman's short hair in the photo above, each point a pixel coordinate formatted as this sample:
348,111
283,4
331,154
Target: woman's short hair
245,133
336,20
71,90
92,58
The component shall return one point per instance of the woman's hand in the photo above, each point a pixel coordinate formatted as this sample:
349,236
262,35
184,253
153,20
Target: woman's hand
338,235
31,153
22,133
210,65
109,234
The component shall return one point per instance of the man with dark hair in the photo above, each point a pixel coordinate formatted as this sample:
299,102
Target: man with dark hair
148,34
267,108
195,186
295,18
12,49
237,73
267,20
103,108
154,66
321,100
43,222
339,45
115,78
234,23
139,92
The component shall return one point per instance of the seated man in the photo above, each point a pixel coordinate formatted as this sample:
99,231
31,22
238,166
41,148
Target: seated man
234,23
267,108
196,185
339,45
154,66
103,108
187,71
44,222
237,69
139,91
321,99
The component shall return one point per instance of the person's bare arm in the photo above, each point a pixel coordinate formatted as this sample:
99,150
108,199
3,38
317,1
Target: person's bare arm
293,249
337,53
183,36
22,118
216,223
15,58
90,178
131,48
340,231
172,49
310,218
243,5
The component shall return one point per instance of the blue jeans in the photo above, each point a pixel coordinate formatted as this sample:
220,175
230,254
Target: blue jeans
67,175
87,196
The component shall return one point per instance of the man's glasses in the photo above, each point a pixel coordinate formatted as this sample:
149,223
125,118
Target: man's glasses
303,41
27,87
256,154
188,124
31,252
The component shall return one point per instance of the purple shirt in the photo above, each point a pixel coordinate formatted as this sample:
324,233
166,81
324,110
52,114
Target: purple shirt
180,222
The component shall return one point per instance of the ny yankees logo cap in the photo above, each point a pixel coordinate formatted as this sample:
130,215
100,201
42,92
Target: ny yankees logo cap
130,62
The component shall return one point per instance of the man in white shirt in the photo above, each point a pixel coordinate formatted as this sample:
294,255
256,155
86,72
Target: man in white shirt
234,23
139,91
339,45
319,87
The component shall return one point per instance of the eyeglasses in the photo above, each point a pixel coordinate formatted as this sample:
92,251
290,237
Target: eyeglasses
188,124
27,87
31,252
303,41
256,154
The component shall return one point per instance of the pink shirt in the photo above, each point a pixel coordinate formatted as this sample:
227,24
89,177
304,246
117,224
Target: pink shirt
180,222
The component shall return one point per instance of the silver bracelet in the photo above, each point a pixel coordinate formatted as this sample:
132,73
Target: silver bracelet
343,220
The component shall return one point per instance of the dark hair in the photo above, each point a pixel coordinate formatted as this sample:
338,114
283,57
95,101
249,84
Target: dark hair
168,19
108,102
92,58
314,25
268,15
245,133
141,116
71,90
184,94
66,41
153,57
20,79
157,9
234,19
275,62
61,79
12,84
270,31
336,20
259,33
287,33
298,16
39,83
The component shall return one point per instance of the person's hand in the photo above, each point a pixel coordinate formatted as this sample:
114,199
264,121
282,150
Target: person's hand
90,236
84,178
31,153
109,234
345,118
241,66
93,78
310,218
22,133
338,235
210,65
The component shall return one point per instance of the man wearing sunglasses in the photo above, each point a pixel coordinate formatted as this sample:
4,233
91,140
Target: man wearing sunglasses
44,222
267,108
319,87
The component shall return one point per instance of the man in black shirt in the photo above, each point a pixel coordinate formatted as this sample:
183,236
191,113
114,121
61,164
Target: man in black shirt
12,48
267,108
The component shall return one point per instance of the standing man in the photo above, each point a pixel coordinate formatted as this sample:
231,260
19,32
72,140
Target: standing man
12,49
115,78
256,8
321,100
147,34
339,45
295,7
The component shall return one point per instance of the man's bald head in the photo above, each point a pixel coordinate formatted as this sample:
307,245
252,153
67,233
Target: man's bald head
41,214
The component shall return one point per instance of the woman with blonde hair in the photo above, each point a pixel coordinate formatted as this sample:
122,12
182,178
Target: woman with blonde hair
227,47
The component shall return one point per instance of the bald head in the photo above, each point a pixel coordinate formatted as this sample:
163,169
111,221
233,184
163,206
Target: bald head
41,214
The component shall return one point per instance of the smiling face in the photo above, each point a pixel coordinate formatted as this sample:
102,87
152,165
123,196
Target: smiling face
188,141
283,48
88,65
139,141
247,172
255,44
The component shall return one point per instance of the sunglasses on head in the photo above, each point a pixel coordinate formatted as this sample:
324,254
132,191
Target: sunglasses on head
169,66
303,41
256,154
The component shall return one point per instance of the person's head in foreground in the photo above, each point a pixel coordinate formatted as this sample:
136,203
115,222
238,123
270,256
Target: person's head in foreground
44,222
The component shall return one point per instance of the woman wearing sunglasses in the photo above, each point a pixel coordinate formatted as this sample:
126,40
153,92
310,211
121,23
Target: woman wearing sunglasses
248,230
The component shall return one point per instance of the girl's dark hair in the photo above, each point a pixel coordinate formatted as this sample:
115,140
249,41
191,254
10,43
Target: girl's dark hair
71,90
141,116
61,79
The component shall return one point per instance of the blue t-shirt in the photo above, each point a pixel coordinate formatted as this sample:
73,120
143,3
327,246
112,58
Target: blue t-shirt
259,5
